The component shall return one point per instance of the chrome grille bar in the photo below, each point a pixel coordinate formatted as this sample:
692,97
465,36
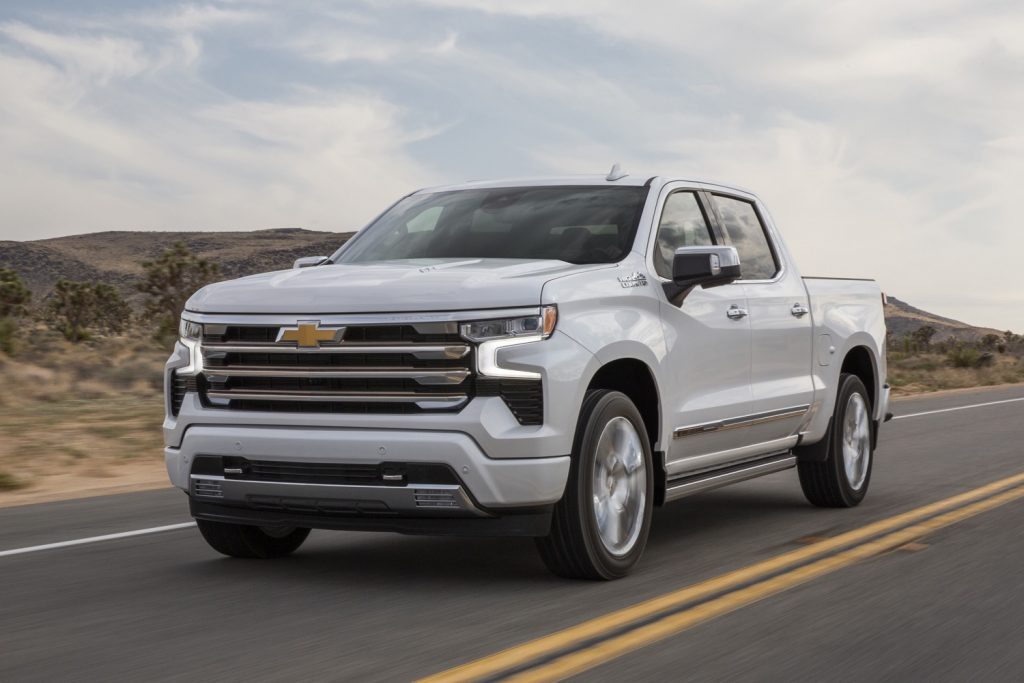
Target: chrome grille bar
423,400
421,376
421,351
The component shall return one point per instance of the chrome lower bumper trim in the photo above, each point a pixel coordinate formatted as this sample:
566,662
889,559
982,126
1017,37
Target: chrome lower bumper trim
410,500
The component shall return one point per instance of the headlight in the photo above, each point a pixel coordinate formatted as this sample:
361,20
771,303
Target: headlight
541,325
191,333
494,335
190,330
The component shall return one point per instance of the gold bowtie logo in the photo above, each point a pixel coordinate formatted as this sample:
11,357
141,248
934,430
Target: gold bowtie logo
310,334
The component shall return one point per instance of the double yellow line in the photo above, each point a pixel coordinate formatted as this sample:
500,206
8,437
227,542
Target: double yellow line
591,643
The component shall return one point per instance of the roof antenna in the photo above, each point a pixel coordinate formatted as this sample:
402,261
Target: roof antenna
616,173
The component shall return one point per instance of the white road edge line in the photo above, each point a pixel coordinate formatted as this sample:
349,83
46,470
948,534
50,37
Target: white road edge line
948,410
96,539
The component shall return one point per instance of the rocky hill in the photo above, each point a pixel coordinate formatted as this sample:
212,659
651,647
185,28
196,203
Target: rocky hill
116,258
902,319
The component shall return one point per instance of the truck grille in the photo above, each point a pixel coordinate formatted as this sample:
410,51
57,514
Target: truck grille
404,369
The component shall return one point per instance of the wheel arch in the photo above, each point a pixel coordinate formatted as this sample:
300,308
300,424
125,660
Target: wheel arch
635,379
860,361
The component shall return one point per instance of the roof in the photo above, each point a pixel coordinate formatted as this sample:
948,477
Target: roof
630,180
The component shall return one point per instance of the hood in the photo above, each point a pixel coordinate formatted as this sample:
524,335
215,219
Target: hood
390,286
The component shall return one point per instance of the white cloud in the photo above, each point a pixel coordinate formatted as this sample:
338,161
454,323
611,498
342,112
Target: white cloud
336,46
449,45
99,132
194,18
99,58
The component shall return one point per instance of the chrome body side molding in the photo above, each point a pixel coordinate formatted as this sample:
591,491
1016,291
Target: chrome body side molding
741,421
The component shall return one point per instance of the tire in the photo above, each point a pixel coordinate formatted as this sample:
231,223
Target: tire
575,547
239,540
841,479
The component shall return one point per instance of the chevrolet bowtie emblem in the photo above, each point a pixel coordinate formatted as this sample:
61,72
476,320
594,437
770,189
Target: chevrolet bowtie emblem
309,334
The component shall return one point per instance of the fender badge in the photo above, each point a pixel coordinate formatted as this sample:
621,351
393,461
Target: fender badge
633,280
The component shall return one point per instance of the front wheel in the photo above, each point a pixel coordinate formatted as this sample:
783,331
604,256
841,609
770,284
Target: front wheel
600,526
240,540
842,478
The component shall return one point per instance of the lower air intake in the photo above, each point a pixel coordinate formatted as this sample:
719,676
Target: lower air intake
435,498
207,488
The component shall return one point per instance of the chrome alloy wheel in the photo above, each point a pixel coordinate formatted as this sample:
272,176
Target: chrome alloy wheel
620,486
856,441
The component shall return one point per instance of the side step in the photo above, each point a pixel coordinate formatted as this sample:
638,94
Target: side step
705,481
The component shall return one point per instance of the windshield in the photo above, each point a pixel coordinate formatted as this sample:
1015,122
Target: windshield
585,224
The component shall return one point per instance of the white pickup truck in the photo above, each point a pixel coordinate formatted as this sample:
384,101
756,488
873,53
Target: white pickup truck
546,357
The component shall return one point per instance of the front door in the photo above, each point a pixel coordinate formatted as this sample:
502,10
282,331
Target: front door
708,341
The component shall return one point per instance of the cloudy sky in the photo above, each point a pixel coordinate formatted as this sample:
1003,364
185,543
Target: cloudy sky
887,137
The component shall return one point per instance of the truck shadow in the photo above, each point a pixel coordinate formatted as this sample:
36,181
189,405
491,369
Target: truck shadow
679,531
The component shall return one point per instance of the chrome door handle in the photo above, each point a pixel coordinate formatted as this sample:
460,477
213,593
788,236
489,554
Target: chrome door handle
799,310
735,312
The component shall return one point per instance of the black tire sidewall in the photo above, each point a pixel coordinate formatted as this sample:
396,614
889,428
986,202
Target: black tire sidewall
850,385
244,541
266,546
608,405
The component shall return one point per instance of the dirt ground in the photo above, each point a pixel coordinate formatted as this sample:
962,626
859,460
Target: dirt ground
76,448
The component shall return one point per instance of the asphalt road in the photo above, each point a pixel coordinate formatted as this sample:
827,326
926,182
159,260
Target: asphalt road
379,607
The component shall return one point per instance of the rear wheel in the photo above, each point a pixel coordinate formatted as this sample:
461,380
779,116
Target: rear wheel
842,478
239,540
600,526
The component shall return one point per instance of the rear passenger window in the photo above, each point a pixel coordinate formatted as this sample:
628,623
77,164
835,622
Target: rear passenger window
682,225
744,231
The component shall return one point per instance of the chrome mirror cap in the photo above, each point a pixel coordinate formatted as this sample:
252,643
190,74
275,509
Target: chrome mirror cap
706,266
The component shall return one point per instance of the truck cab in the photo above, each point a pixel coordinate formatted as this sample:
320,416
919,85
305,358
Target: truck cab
547,357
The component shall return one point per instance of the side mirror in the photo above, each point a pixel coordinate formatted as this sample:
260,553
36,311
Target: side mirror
307,261
705,266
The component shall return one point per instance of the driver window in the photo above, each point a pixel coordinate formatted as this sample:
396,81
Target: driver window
682,225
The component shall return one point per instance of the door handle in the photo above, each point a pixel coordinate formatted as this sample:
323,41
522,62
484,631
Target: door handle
735,312
799,310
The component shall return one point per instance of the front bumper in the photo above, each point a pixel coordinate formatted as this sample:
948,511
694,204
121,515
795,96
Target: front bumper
485,485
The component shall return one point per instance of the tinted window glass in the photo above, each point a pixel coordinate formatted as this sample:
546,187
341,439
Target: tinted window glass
682,225
576,224
745,232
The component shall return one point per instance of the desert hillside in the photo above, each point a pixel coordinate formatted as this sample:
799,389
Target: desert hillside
116,257
902,319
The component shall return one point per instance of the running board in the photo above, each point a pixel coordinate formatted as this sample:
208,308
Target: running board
705,481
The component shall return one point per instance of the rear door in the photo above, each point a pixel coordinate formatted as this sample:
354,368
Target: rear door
780,322
708,341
